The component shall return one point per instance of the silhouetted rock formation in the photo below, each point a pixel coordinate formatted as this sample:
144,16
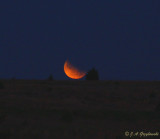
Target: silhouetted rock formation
92,74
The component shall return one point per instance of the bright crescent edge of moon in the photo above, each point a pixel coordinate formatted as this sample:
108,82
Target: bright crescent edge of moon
73,72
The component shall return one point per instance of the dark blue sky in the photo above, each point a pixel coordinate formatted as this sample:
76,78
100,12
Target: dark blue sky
120,38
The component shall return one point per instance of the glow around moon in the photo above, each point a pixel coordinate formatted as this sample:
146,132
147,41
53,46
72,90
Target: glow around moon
73,72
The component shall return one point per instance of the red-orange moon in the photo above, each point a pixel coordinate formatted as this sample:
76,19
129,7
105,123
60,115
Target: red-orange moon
73,72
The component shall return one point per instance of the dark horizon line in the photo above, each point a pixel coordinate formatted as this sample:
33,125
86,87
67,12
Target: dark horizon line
111,80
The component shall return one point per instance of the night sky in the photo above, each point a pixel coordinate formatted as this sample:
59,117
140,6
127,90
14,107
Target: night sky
120,38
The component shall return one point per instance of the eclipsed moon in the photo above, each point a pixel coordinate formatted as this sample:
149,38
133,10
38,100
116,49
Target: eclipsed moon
73,72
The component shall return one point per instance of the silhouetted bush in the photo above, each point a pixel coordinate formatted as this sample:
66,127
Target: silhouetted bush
2,117
152,95
158,107
1,85
92,74
50,78
116,84
49,89
6,134
67,116
119,137
13,78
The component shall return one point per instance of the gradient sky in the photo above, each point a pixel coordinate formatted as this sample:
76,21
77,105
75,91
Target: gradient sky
120,38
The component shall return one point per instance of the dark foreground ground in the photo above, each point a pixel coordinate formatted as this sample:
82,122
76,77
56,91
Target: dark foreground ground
41,109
